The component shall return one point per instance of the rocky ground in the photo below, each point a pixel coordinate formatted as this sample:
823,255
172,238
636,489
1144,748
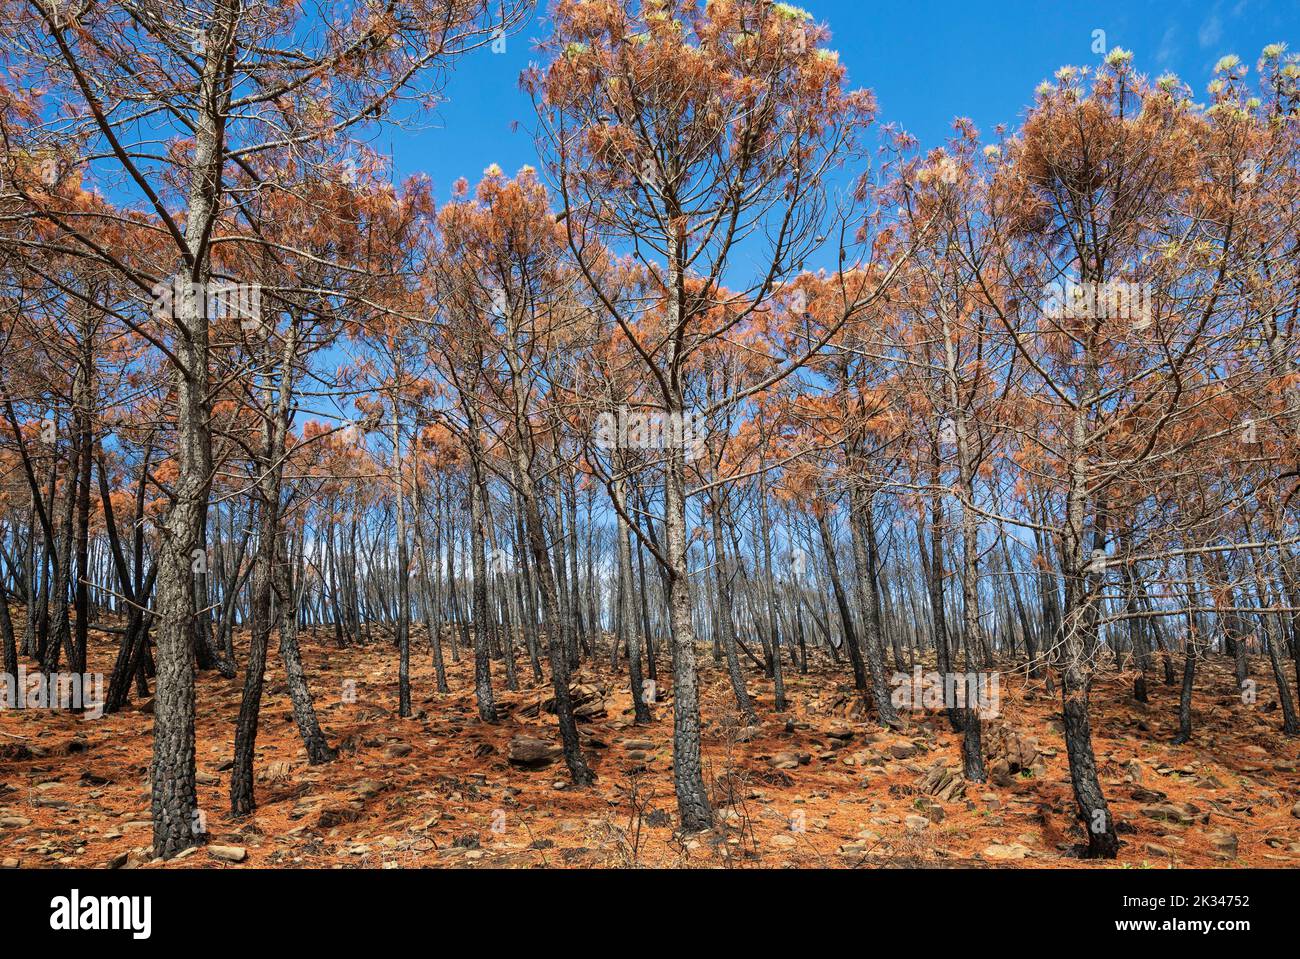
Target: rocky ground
816,786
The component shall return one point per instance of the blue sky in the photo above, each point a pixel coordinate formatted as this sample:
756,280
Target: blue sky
928,61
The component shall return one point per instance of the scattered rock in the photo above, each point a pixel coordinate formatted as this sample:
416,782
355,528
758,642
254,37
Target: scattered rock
588,703
789,759
1224,844
1003,851
1148,795
367,789
1018,750
1000,774
1168,812
332,816
930,809
840,731
658,818
228,853
942,783
532,753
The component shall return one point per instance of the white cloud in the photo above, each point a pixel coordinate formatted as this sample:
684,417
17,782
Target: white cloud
1168,49
1211,30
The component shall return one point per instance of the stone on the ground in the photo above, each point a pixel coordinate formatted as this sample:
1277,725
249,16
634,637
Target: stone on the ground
1005,851
789,759
532,753
1223,844
1168,812
228,853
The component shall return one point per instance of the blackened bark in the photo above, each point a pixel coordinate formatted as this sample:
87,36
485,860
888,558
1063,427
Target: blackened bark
628,620
842,604
859,521
726,624
241,774
1094,814
555,647
482,652
304,712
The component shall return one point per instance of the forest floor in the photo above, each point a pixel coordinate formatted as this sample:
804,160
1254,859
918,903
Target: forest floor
816,786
